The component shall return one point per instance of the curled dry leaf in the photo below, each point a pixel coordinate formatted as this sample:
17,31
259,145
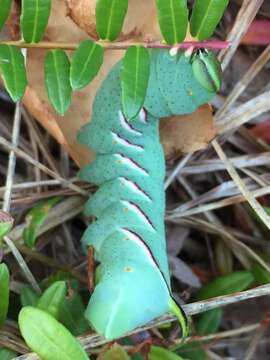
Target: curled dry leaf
189,133
73,21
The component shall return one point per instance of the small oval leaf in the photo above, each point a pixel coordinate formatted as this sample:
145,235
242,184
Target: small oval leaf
134,80
262,276
4,292
110,16
205,17
173,20
159,353
52,299
47,337
57,69
209,322
72,315
227,284
6,354
35,218
5,6
28,296
12,70
85,64
34,19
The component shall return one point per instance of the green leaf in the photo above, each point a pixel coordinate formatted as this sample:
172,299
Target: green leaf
193,351
209,322
72,315
35,218
28,296
159,353
205,17
116,352
5,6
85,64
6,222
110,16
6,354
47,337
52,299
227,284
4,292
134,80
173,20
34,19
12,70
262,276
57,70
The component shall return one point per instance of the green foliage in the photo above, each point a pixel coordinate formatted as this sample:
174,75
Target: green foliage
173,20
72,315
4,292
47,337
134,80
6,222
205,17
116,352
209,322
159,353
28,296
6,354
110,16
53,298
85,64
57,70
12,70
35,218
262,276
5,6
227,284
34,19
193,351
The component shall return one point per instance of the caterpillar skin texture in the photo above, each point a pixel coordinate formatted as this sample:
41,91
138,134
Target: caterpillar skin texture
128,235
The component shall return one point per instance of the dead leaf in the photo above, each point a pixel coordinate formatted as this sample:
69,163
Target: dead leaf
188,133
182,272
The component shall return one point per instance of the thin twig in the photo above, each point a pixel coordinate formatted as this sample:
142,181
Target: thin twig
12,158
120,45
20,260
91,341
42,167
241,185
176,170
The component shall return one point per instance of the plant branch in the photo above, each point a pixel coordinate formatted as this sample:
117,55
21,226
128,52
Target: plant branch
120,45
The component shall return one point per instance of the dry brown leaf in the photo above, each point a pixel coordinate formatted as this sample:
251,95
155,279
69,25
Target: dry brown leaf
141,23
188,133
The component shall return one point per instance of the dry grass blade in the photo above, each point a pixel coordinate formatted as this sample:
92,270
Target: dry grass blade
244,18
242,187
243,83
244,113
42,167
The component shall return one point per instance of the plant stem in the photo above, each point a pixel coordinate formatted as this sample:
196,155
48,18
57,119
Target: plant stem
120,45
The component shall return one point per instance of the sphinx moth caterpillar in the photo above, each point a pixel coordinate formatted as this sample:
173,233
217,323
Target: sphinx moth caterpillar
128,234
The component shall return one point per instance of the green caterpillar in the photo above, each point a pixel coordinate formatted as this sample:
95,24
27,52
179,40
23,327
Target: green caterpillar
128,235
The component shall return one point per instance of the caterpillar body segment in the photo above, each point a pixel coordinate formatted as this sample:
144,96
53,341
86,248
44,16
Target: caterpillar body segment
128,234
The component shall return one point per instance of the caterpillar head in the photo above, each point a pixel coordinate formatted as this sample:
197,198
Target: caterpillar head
207,70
